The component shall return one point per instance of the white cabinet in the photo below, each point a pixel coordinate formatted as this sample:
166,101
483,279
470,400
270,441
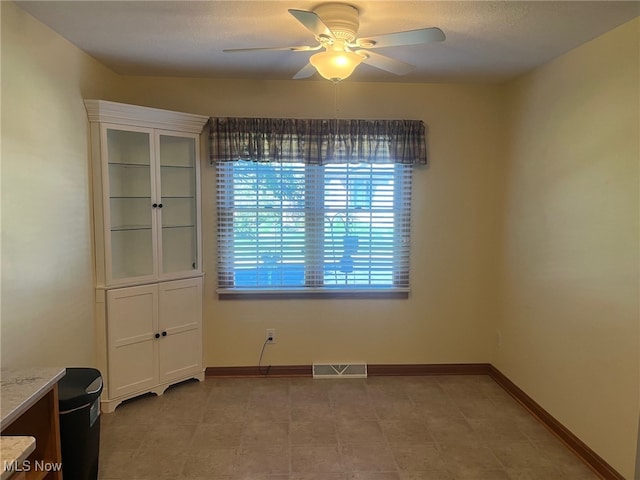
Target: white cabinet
146,205
153,338
146,172
132,348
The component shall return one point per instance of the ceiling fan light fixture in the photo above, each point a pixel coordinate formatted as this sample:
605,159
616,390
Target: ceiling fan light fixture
335,27
335,65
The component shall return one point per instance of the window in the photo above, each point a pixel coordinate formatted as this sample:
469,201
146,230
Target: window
291,226
314,206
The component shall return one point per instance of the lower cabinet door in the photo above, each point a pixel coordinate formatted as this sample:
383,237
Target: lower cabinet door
180,325
132,315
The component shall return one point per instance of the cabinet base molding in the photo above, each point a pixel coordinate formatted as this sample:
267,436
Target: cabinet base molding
110,405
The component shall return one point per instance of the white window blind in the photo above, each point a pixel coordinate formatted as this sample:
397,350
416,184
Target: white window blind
288,227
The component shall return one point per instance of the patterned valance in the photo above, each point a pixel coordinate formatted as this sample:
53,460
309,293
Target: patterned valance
316,141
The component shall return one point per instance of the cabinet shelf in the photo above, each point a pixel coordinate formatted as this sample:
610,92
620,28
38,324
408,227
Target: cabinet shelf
178,226
127,228
123,164
177,166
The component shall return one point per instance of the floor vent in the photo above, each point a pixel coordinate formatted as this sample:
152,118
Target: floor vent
339,370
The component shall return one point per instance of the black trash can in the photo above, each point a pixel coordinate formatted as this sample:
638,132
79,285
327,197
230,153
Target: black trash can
79,402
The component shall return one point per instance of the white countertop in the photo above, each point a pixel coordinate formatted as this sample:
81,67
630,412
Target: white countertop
22,388
14,451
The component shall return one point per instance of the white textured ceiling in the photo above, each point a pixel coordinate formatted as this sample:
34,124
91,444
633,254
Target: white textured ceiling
486,41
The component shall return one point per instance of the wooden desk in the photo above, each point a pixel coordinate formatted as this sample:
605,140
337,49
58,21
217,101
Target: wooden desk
29,407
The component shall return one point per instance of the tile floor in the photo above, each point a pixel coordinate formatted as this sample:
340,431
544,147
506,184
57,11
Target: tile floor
380,428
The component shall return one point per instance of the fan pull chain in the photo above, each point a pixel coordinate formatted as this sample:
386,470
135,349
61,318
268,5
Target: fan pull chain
335,106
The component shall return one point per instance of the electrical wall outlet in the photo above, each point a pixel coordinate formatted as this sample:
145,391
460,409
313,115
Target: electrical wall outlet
271,335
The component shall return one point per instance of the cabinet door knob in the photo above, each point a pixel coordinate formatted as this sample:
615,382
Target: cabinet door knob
164,334
155,205
157,335
159,205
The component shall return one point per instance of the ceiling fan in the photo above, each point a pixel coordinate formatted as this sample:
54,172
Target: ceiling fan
335,26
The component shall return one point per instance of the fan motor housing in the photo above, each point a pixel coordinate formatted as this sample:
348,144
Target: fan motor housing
340,18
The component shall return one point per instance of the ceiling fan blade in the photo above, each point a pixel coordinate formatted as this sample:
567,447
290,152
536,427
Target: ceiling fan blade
312,22
305,72
385,63
410,37
301,48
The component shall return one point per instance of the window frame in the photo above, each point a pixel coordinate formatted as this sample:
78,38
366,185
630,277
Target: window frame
315,192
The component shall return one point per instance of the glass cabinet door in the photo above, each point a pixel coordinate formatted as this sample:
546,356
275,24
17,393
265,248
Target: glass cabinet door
179,229
131,192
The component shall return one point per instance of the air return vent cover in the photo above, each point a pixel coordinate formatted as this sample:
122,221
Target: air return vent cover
339,370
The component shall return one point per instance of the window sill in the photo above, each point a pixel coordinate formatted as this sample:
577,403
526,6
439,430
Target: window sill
311,293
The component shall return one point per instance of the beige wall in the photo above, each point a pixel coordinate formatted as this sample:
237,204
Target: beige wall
47,284
47,279
569,244
452,233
